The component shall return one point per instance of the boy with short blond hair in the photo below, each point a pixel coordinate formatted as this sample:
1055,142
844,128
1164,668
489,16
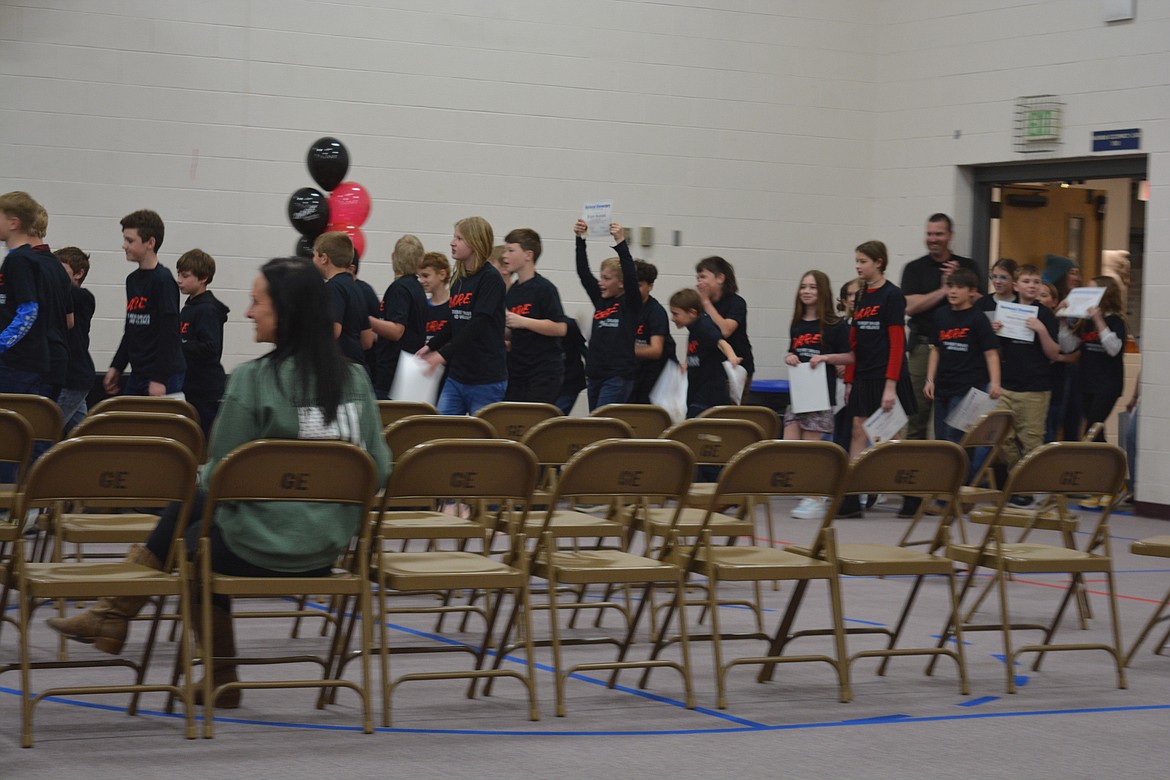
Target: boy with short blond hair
79,376
535,322
201,324
333,255
24,350
401,326
150,338
1027,378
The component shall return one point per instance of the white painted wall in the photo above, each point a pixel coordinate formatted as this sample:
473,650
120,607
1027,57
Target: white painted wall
778,133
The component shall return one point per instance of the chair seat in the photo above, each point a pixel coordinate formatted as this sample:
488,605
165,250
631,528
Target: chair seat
1154,545
338,584
447,570
1024,558
691,518
99,527
1015,517
861,560
422,524
604,566
97,579
758,563
567,523
978,495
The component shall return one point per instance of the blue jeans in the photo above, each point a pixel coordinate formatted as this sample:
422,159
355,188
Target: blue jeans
73,408
139,385
615,390
943,406
566,401
14,380
458,398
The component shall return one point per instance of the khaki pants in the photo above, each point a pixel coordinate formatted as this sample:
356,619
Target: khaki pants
918,426
1031,410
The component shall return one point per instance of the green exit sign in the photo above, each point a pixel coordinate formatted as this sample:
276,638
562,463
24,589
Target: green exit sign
1041,125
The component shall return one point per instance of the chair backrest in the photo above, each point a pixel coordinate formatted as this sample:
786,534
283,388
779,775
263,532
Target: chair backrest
714,440
1068,467
417,429
916,468
555,441
143,403
647,420
762,416
1094,432
170,426
628,468
462,469
512,419
990,430
16,439
41,414
393,411
324,472
146,470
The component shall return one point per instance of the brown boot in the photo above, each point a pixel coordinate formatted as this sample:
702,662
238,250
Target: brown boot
223,645
105,624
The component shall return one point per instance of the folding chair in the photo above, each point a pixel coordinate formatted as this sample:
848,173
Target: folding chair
1159,547
555,440
334,474
762,416
646,420
930,470
781,468
1060,469
991,432
636,470
512,419
143,403
16,438
497,472
44,417
98,469
393,411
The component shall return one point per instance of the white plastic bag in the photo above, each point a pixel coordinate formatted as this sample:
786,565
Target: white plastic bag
670,392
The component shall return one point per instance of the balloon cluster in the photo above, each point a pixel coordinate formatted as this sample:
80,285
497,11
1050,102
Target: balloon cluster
346,207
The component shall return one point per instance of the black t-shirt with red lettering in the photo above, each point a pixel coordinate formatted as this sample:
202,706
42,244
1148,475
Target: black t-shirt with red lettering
809,338
706,379
1024,366
1102,373
654,322
436,317
404,303
150,341
961,338
532,353
734,307
879,352
615,320
472,342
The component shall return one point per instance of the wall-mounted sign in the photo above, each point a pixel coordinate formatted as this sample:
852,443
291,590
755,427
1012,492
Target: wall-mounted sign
1115,140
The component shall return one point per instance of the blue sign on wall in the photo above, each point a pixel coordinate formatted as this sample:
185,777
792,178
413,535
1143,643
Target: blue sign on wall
1114,140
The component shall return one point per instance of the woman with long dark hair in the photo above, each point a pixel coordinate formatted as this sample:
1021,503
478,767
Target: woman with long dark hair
302,389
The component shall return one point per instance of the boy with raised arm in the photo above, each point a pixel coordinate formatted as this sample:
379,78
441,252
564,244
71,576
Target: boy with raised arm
610,366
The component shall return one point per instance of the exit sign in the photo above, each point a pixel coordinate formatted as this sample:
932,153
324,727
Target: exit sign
1042,125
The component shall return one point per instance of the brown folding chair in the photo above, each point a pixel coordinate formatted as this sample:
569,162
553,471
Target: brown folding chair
512,419
43,417
1159,547
16,439
647,420
930,470
1060,469
632,470
767,468
762,416
555,440
144,403
98,469
334,474
393,411
497,472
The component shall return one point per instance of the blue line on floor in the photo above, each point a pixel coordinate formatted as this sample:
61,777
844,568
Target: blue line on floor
977,702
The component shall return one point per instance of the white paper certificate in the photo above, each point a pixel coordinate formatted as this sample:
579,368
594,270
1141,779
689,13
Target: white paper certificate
598,217
884,426
736,379
973,406
808,388
1014,317
412,382
1080,300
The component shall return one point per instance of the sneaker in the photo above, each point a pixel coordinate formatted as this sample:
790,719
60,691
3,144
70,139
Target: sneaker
810,509
849,508
1021,501
1093,502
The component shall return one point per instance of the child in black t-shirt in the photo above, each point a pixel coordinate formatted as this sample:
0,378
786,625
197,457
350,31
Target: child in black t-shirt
610,366
434,273
333,254
706,350
79,376
1100,339
472,342
535,324
817,335
653,345
401,324
964,353
150,345
717,287
201,324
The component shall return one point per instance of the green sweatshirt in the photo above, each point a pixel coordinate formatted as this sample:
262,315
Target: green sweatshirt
259,404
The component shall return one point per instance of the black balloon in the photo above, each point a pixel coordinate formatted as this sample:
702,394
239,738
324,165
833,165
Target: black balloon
304,247
328,162
308,211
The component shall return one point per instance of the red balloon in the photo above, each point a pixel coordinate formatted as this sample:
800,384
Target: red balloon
355,235
349,204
